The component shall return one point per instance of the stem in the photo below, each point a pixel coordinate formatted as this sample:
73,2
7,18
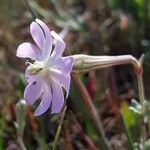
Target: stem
91,108
59,128
141,92
142,98
85,137
21,143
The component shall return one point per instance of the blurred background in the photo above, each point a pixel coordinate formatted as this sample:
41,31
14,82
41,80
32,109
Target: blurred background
97,27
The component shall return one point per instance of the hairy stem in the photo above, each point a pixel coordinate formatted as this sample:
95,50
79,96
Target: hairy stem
142,98
21,143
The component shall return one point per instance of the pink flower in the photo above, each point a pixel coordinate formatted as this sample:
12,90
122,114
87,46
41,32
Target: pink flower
49,73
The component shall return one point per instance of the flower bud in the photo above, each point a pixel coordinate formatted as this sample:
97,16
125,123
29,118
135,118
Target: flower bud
20,116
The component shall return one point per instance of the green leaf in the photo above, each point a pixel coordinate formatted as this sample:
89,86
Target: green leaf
130,117
136,107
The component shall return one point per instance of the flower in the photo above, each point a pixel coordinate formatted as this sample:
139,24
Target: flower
49,72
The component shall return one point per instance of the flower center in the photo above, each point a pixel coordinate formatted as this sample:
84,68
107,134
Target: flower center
45,73
38,68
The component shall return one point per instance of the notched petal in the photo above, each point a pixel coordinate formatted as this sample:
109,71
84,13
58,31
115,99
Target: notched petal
45,102
58,98
37,34
48,39
62,78
33,91
68,64
59,45
27,50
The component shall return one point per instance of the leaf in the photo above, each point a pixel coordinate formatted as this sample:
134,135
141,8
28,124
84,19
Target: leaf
136,107
129,116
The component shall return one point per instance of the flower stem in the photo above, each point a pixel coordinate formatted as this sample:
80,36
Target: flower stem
59,128
139,73
20,141
142,98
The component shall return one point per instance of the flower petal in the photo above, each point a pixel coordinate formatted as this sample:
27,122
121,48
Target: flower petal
59,45
58,98
68,64
27,50
64,64
33,91
62,78
48,39
37,34
45,102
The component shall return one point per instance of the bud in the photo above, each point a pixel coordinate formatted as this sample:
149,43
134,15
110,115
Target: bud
20,116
